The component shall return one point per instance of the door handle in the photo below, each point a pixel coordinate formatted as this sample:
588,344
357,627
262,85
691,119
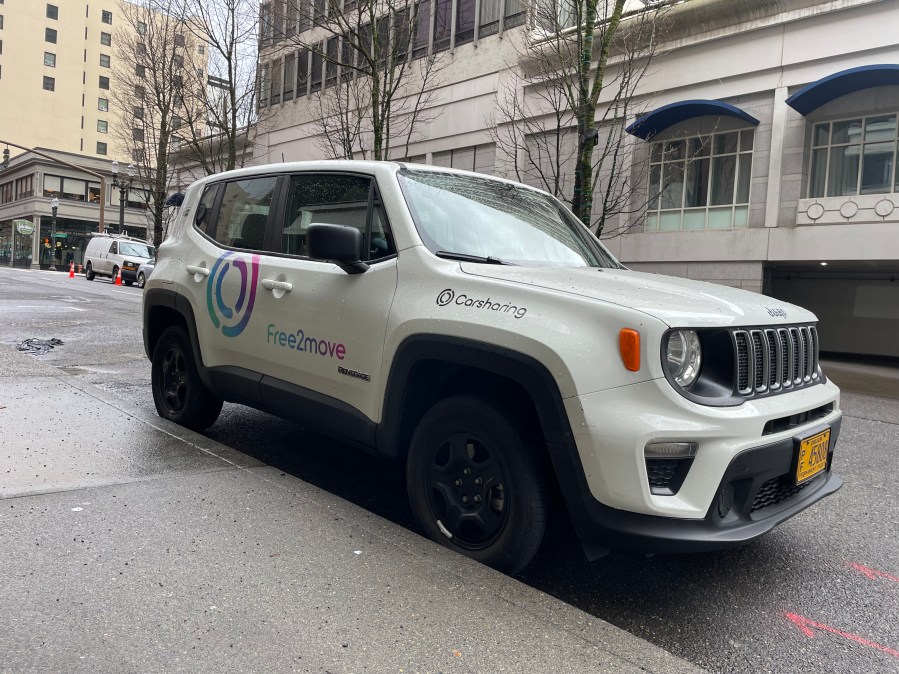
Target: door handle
271,284
197,271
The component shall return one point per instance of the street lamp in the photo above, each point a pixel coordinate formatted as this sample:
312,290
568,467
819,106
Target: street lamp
54,204
124,184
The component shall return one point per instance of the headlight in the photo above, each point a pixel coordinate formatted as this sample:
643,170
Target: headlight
683,356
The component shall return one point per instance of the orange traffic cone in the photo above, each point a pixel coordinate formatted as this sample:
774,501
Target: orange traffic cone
118,278
71,270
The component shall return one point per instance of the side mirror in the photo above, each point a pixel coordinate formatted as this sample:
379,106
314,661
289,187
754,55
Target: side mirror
336,243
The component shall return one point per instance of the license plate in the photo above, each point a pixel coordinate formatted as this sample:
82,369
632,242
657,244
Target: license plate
812,456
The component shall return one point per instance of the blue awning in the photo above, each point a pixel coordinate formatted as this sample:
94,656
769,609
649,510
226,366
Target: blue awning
668,115
839,84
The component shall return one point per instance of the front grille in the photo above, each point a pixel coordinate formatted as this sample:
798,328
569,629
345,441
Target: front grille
776,490
769,360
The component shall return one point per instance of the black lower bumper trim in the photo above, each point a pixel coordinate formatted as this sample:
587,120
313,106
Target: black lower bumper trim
601,527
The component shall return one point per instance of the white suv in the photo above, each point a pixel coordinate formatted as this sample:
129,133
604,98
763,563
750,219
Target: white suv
474,329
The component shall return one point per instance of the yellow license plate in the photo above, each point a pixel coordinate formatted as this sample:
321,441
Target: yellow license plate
812,456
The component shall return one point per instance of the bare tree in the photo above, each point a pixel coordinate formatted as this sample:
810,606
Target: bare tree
154,57
370,76
215,130
560,120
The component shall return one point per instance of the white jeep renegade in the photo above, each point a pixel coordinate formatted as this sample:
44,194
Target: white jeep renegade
472,328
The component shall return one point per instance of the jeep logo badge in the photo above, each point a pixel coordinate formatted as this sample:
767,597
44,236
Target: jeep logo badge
776,312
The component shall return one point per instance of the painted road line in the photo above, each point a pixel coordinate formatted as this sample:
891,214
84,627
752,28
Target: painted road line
806,627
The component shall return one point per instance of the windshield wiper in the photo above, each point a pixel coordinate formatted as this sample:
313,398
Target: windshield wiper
449,255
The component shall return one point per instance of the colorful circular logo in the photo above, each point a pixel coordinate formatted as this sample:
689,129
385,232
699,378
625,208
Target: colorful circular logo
232,319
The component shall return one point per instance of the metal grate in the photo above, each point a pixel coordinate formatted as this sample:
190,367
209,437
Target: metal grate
771,360
776,490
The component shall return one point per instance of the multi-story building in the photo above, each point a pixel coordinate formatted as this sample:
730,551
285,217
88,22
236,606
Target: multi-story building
62,98
769,130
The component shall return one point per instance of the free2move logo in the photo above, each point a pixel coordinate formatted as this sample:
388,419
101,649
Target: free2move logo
232,319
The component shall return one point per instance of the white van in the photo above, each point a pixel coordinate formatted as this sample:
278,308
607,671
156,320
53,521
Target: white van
107,255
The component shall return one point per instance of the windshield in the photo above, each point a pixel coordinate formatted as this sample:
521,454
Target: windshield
137,249
495,221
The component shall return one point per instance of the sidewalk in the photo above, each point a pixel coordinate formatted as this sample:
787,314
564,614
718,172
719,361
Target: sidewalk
131,544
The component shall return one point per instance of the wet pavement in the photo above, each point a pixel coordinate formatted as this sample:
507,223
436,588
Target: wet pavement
132,544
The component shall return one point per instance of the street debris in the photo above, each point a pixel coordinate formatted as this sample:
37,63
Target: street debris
39,347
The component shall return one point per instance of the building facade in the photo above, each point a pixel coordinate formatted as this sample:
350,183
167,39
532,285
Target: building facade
766,146
75,98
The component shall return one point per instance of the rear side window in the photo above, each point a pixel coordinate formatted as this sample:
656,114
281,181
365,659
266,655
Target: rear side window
204,208
337,200
243,213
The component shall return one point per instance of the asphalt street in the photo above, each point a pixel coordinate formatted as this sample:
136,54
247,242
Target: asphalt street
819,594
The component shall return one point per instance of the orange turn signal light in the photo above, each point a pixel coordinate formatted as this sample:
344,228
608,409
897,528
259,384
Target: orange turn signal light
629,345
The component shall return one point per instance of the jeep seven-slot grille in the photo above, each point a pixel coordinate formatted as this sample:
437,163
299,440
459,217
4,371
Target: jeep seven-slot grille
774,359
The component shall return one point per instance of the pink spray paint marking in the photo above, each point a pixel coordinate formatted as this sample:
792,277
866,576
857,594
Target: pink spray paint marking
806,625
873,574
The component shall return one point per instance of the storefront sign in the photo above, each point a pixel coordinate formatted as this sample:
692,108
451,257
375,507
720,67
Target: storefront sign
25,227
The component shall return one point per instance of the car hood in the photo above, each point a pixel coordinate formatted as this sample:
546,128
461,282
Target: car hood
678,302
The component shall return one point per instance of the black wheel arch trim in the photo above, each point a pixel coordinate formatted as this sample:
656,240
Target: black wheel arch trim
518,367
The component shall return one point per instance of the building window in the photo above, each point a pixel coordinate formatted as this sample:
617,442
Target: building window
201,49
290,76
178,60
422,27
442,21
177,81
49,35
1,21
49,84
106,39
49,59
103,104
104,60
102,126
700,182
318,62
106,18
854,156
514,14
137,135
137,156
478,158
176,122
139,93
140,71
52,12
464,21
179,40
302,72
141,49
138,113
101,148
141,28
104,82
25,187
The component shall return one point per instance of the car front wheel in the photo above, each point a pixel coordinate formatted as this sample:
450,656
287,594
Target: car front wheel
476,482
141,280
178,392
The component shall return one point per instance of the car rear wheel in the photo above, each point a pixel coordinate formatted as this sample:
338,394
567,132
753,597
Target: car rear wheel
178,392
141,280
89,272
476,483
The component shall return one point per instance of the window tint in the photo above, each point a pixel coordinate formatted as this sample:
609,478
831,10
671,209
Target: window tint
244,213
336,200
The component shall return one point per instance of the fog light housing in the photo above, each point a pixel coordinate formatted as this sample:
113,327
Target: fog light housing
725,500
667,465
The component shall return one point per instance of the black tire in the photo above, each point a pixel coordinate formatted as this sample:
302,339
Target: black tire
128,283
178,392
89,272
476,483
141,280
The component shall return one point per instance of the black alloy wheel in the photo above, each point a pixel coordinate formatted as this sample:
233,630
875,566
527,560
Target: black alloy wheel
178,392
476,484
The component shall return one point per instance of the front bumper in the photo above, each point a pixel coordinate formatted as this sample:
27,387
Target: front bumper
763,497
129,274
749,447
